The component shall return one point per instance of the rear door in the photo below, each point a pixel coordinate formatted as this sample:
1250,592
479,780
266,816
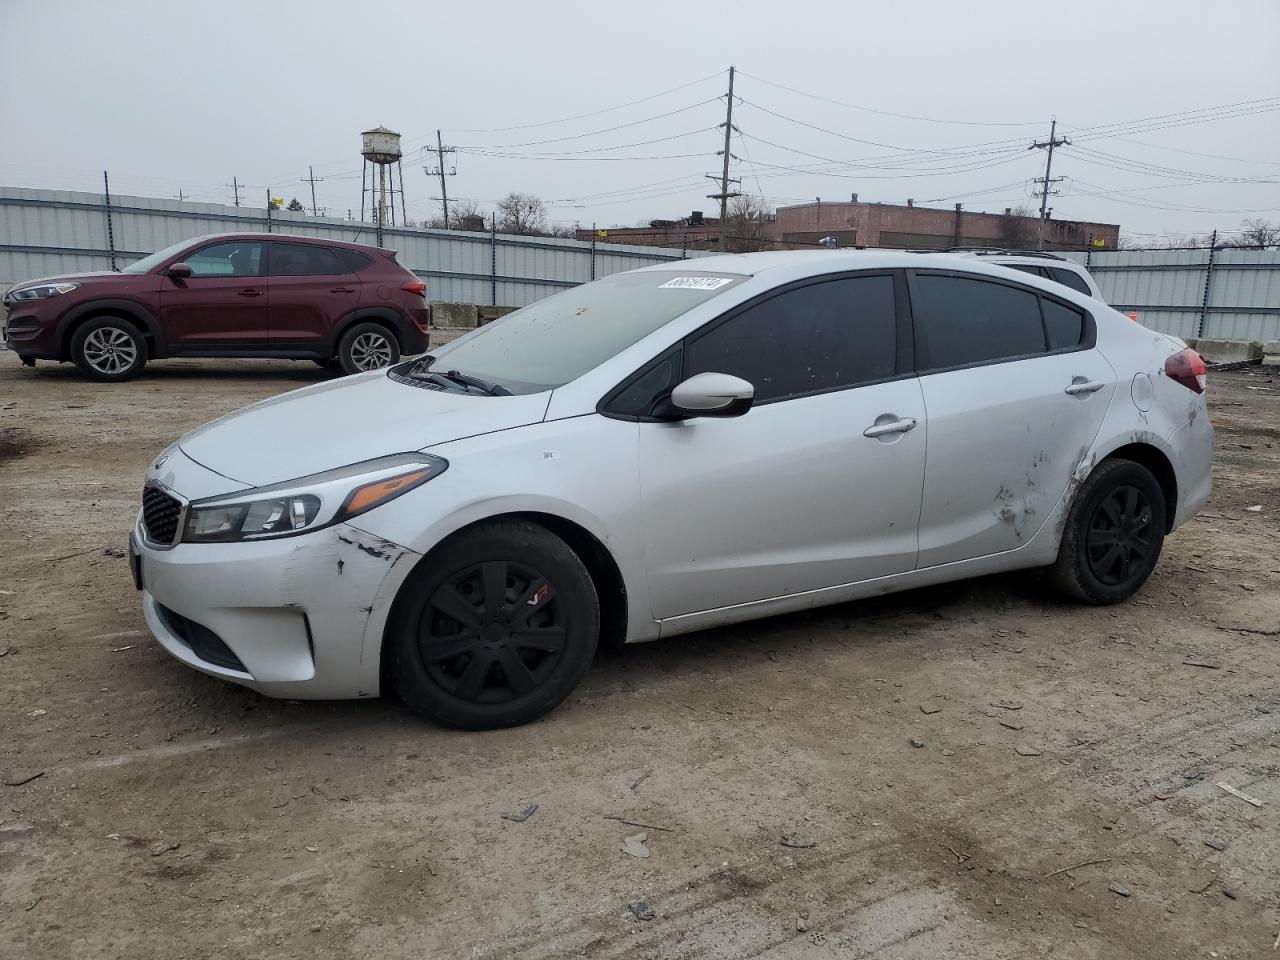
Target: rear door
222,305
793,495
1015,394
310,290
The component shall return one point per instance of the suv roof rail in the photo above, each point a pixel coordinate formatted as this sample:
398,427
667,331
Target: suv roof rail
1000,252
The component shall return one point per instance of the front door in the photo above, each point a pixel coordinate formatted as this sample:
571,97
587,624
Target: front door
1015,394
819,483
222,305
310,292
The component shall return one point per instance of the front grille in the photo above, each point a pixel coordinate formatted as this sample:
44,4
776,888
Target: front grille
202,641
160,514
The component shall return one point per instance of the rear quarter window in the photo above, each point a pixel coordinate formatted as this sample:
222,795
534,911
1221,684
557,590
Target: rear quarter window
353,260
1069,278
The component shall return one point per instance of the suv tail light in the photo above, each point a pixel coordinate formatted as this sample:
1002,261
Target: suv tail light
1187,368
415,286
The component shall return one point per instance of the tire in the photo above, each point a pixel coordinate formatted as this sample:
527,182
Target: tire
455,656
1113,534
109,349
367,346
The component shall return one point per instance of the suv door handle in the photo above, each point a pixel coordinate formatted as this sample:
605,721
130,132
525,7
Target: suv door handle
893,426
341,290
250,292
1080,387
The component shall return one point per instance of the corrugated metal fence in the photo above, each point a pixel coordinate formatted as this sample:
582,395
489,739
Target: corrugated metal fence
1189,293
1232,294
45,232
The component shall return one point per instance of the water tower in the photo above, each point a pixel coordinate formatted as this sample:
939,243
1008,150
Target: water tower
381,147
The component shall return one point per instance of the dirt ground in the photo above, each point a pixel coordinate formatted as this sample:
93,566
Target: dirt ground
173,815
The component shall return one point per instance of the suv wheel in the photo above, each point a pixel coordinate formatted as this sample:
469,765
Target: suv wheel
1113,534
495,629
109,349
367,346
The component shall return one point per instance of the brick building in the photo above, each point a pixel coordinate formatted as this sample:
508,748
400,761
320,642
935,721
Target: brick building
857,224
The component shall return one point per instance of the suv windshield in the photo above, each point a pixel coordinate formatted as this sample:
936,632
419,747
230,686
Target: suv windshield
157,258
553,341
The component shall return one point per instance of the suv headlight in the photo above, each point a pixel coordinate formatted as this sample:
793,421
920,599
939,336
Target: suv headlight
308,503
42,291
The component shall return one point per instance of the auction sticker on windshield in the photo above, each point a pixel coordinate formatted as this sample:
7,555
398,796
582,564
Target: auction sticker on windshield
695,283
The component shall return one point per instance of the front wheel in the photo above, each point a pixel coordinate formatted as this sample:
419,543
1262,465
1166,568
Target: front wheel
109,349
1113,535
367,346
494,629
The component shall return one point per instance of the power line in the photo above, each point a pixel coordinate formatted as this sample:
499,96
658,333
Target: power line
594,133
887,113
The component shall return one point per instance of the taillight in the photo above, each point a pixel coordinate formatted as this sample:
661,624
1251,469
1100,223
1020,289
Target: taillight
415,286
1187,368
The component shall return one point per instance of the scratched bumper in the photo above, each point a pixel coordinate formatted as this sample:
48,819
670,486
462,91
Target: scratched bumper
303,615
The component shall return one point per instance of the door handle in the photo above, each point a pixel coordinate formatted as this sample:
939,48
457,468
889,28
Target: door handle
250,292
1080,387
341,290
893,426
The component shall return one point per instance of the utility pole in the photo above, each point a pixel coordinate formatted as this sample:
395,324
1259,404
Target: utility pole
724,194
439,170
1049,144
312,179
235,190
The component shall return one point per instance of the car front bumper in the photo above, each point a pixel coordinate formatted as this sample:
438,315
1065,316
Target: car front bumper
297,617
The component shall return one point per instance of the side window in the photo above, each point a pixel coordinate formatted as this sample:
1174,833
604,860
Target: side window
301,260
1070,278
838,333
353,260
1064,325
1025,268
961,321
237,258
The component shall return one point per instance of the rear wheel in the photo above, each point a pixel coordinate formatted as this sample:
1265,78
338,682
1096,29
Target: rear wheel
109,349
495,629
367,346
1113,535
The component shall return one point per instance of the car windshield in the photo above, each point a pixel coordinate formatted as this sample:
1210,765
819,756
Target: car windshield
556,340
149,263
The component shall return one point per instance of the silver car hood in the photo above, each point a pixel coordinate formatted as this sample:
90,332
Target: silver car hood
347,421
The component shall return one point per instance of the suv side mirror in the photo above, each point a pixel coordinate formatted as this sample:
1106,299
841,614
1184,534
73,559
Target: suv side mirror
179,271
711,395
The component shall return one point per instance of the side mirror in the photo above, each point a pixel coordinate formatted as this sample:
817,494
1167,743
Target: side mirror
711,395
179,271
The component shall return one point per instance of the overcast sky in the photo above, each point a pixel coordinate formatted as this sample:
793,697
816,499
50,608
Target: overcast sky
173,96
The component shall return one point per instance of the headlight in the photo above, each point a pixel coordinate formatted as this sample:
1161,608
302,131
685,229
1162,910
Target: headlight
308,503
42,291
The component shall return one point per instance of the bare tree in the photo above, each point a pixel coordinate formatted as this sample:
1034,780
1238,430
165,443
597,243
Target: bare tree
523,214
746,225
457,210
1256,234
1018,228
566,231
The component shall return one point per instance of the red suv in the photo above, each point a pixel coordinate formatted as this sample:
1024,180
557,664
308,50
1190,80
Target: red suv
226,295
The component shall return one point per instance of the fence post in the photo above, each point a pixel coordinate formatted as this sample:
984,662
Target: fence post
493,260
1208,279
268,210
111,235
593,251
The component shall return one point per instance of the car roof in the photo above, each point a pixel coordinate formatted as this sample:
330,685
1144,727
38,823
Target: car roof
817,262
291,237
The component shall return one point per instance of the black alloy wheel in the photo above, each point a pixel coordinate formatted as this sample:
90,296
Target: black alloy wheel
493,632
1113,534
493,628
1120,537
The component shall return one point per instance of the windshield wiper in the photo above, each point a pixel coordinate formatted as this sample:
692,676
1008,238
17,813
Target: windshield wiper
466,380
422,371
